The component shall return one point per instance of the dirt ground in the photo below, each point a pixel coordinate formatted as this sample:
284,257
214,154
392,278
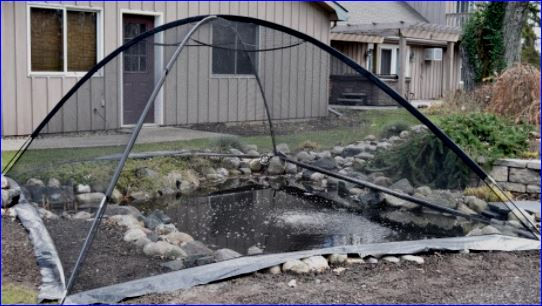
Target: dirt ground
475,278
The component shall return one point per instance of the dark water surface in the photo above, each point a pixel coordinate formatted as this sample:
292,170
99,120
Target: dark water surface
275,221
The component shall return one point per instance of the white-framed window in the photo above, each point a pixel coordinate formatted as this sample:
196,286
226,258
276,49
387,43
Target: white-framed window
389,60
228,57
63,40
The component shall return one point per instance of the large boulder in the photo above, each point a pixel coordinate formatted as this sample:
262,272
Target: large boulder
89,200
10,197
35,182
276,166
316,263
325,163
475,203
178,238
403,185
196,249
156,218
174,180
296,266
283,148
232,162
114,209
5,183
134,234
128,221
164,250
53,183
304,156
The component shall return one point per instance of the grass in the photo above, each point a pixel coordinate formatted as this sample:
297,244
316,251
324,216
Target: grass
18,294
76,163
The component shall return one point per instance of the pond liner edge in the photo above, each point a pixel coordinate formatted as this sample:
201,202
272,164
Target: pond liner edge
53,283
205,274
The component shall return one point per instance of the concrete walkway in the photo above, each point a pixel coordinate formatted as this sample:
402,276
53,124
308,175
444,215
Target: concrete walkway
120,137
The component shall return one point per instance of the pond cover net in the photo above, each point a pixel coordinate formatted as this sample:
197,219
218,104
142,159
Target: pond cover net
210,138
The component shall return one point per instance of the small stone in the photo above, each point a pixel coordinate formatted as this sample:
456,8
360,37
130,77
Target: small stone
365,155
10,197
464,251
35,182
134,234
465,209
245,171
424,190
391,259
82,215
5,183
354,261
397,202
225,254
250,147
417,259
370,138
317,176
223,171
337,259
404,134
128,221
291,168
371,260
234,151
254,250
48,215
355,191
295,266
140,196
255,165
82,188
337,150
359,164
164,229
339,270
114,209
174,265
382,181
490,230
283,148
292,283
116,196
475,204
53,183
145,172
178,238
274,270
304,156
232,162
316,263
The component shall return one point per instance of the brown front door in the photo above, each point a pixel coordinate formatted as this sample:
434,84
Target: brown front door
138,69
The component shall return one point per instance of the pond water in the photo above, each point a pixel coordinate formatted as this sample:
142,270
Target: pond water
275,221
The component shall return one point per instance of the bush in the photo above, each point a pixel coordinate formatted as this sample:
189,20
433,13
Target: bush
425,160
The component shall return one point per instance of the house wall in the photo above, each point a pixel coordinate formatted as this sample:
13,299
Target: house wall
433,11
300,90
426,77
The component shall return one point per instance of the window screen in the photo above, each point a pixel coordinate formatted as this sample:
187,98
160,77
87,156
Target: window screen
229,57
385,61
135,59
46,39
81,40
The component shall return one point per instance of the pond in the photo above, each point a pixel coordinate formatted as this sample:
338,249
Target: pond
275,221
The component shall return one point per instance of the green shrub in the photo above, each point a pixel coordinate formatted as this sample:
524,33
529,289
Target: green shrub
425,160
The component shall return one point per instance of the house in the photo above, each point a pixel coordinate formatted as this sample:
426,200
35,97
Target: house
48,46
412,46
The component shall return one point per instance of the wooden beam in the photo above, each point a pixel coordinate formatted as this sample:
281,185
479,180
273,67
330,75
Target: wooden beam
449,69
375,58
403,62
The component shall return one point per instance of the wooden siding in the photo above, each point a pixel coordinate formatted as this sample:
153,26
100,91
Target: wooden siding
300,89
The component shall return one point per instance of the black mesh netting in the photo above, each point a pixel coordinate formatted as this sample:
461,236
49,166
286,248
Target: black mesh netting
203,181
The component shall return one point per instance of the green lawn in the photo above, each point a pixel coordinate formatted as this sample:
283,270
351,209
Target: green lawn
18,294
69,163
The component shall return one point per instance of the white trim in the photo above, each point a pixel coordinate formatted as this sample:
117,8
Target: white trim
234,76
158,67
64,8
394,52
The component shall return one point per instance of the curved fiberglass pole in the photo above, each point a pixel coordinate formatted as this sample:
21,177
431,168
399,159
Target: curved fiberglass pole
120,166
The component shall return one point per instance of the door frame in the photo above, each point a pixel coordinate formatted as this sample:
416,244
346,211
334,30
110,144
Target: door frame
158,66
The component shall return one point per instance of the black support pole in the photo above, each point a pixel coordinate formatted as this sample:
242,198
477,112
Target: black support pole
120,166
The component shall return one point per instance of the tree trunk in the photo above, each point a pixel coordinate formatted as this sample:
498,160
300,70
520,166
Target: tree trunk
514,20
467,70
